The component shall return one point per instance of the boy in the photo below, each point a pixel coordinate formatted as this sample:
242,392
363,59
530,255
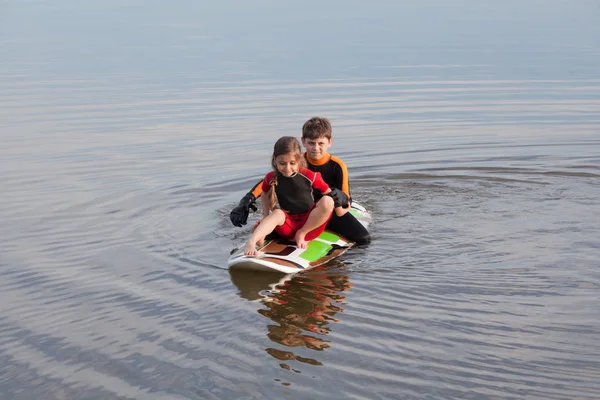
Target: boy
316,139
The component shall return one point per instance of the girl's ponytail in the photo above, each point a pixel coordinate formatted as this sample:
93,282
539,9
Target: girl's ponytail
272,195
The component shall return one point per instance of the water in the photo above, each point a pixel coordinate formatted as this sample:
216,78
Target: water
130,129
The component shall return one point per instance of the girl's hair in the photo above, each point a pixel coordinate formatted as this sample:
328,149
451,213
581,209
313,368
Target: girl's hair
285,145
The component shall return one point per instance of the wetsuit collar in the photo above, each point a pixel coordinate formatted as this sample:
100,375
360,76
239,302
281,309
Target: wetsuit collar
320,161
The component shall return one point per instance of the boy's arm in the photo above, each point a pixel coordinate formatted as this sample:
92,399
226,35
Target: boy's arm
343,182
339,197
256,190
239,214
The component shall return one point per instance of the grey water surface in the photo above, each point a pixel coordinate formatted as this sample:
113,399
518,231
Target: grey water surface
471,130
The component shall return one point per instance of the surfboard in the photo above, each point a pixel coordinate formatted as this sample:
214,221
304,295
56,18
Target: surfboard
279,255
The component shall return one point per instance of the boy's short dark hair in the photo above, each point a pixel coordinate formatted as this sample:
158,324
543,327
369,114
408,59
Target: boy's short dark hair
315,128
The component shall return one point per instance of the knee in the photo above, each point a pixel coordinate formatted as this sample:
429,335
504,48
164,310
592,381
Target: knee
326,202
278,215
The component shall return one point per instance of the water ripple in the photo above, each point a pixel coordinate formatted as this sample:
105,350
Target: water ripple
480,281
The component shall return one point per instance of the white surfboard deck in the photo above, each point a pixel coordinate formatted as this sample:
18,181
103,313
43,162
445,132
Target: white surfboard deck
280,255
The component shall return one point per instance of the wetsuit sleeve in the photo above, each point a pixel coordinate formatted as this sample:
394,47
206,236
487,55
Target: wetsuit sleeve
265,184
319,183
257,189
341,176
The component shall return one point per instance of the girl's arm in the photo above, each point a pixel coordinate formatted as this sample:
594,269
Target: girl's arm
265,205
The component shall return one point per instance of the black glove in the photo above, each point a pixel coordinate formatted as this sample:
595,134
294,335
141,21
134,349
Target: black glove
239,214
339,198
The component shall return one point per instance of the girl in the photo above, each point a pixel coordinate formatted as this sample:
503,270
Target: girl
291,185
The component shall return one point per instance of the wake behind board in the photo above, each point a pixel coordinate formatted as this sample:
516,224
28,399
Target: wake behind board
280,255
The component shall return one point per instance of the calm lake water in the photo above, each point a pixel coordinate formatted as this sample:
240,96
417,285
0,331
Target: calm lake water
130,129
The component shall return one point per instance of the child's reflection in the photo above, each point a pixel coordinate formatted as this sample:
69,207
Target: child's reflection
303,306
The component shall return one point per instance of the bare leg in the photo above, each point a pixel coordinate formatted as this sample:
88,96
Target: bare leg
260,241
266,226
316,218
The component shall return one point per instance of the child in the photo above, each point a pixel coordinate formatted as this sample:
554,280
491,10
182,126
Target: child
291,185
316,138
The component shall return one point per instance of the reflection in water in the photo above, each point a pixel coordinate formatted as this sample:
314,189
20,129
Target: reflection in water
302,306
253,284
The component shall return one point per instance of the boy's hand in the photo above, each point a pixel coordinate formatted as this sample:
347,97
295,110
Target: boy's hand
339,198
239,214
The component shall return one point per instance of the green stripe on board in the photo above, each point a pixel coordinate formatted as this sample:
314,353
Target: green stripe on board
330,237
356,213
315,250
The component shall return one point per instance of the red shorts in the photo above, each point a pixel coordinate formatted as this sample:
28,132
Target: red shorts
293,222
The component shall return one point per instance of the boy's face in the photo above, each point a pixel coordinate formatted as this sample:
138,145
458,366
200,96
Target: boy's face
317,148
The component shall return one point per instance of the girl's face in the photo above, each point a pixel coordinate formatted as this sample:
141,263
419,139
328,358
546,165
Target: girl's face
287,164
